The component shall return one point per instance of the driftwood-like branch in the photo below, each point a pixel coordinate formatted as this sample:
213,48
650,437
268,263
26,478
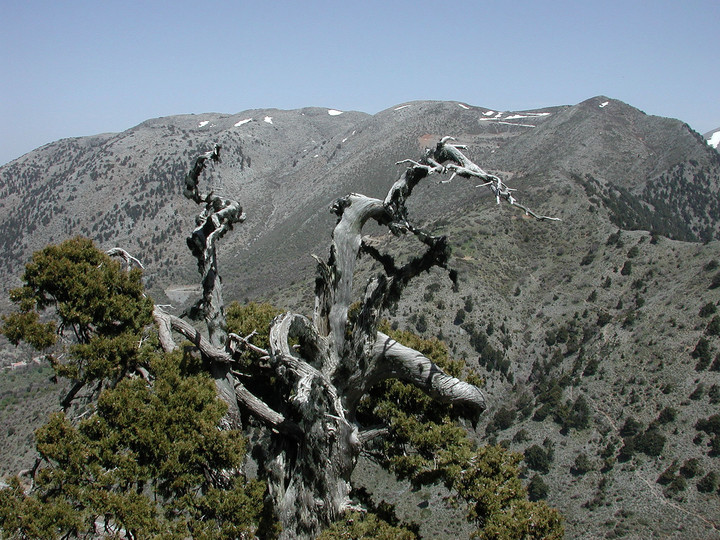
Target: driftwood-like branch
262,411
164,325
192,179
395,360
129,259
249,401
214,221
358,357
460,165
353,212
306,373
167,321
367,435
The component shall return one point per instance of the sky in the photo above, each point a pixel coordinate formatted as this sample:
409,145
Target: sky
74,68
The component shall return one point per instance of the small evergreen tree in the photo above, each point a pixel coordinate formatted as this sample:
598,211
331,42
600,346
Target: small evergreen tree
145,460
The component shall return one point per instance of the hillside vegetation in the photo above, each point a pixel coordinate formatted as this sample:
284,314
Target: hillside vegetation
598,337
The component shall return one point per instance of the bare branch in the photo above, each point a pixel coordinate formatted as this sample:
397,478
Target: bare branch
367,435
129,259
260,409
193,177
181,326
164,325
246,344
396,360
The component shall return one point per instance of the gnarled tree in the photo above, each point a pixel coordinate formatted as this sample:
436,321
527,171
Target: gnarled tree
322,367
313,392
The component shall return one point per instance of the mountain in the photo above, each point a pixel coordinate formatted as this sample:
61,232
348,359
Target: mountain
597,335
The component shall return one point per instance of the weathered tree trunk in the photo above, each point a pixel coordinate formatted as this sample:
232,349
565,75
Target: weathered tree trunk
311,438
217,217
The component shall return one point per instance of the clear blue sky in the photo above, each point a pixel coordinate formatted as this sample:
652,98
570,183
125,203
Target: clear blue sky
74,68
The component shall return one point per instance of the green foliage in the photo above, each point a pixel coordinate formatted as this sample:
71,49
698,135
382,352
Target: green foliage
676,485
631,427
592,366
709,482
714,394
709,425
651,442
707,310
537,488
713,327
501,420
667,415
574,415
538,458
101,304
581,465
668,474
702,353
356,526
588,258
252,318
146,460
691,468
698,393
148,455
491,485
490,357
425,445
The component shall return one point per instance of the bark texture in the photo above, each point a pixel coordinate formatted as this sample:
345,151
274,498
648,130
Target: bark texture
305,388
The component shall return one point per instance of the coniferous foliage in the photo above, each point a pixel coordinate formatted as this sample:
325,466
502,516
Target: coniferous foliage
145,460
100,308
486,479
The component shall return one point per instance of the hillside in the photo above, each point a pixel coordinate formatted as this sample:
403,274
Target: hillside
597,335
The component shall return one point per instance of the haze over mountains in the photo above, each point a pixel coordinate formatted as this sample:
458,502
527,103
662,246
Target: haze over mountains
578,326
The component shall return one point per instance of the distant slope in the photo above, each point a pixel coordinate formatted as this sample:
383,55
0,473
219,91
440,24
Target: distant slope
598,336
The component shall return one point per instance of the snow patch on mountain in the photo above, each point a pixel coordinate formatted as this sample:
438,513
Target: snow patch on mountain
268,119
714,139
204,123
500,118
334,112
241,122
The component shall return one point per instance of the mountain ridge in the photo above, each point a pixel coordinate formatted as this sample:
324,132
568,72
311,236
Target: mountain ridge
605,305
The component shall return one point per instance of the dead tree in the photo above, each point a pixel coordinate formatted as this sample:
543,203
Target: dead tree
310,437
216,218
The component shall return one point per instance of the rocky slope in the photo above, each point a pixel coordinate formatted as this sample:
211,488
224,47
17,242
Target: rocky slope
597,335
